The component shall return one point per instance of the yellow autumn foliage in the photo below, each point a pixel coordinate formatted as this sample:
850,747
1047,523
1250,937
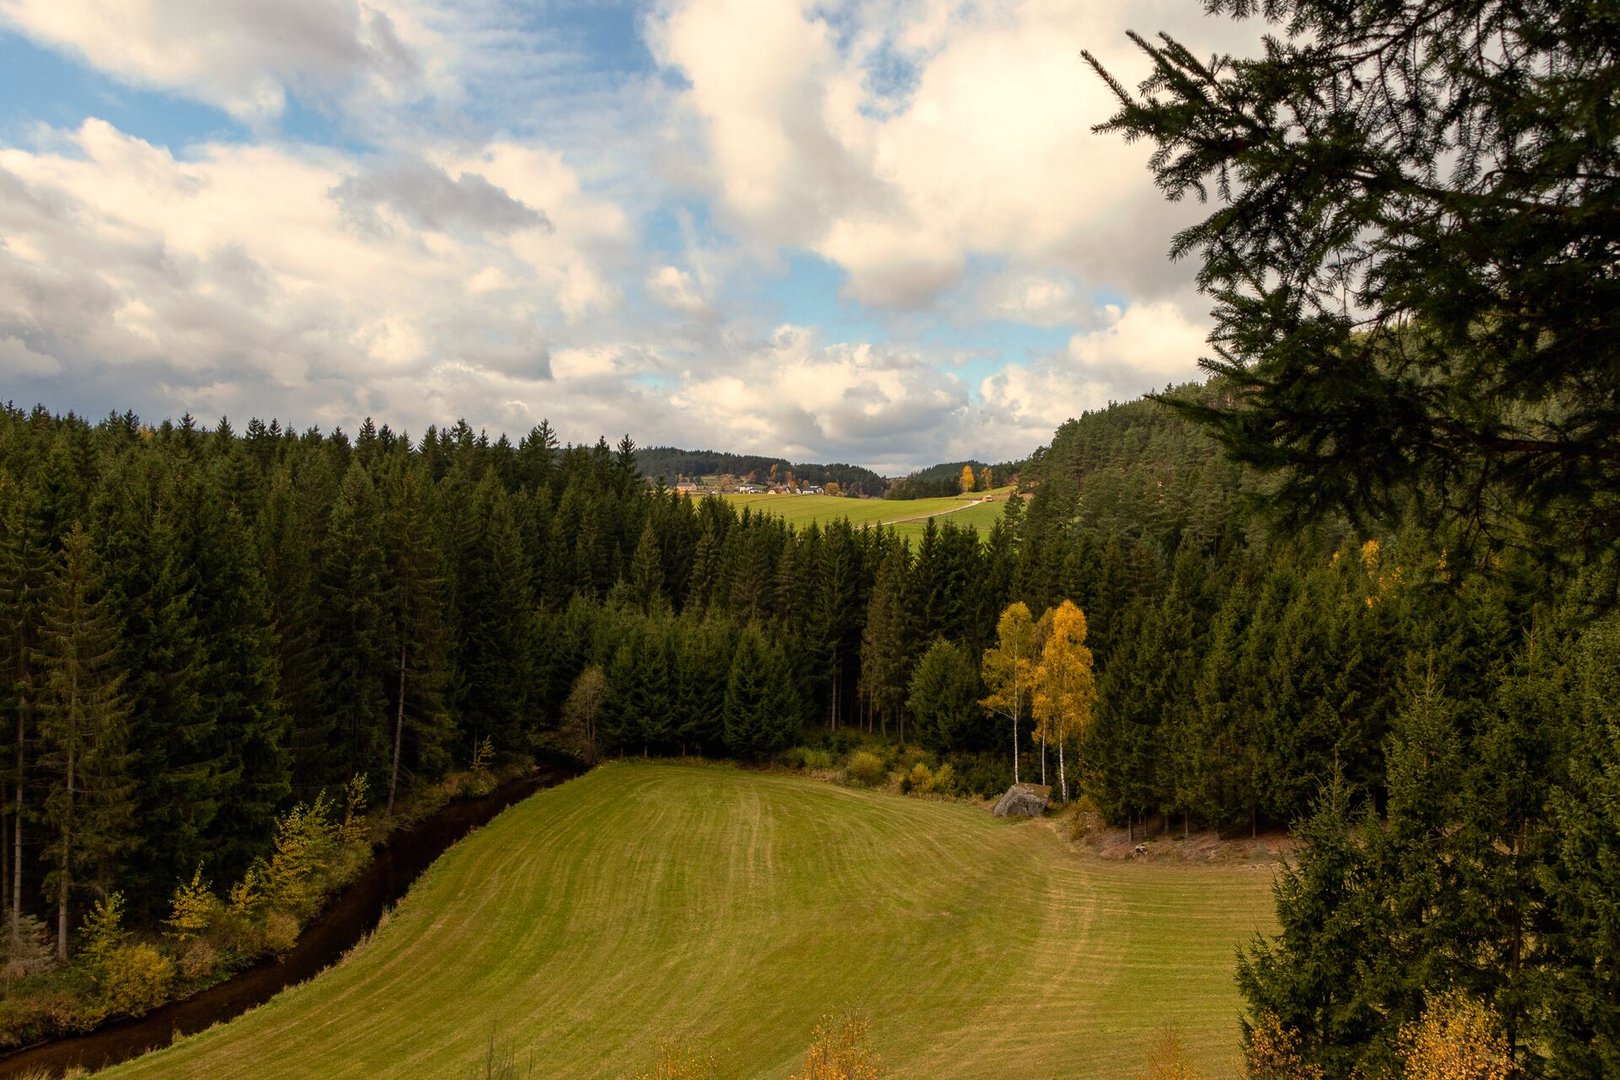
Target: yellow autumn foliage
839,1051
1167,1059
1272,1053
1457,1038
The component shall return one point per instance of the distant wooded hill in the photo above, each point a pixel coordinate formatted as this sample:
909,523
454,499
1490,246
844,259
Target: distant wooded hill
668,463
945,479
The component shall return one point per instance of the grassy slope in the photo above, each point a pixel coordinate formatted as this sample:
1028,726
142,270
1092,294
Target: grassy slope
907,515
645,902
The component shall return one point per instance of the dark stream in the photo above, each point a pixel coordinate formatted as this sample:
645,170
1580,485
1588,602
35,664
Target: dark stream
349,918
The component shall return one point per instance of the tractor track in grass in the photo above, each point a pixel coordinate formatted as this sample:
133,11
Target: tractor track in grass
730,910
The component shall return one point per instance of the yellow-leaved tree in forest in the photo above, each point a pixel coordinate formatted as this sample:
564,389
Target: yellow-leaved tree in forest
1009,668
1064,687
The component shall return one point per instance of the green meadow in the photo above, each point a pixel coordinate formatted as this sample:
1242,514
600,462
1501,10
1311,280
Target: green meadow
729,910
906,516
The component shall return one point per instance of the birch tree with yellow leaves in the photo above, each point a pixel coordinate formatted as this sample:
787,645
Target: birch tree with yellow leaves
1009,668
1064,687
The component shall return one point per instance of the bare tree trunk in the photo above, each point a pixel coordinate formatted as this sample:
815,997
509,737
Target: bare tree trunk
1015,744
1043,762
63,879
17,830
832,698
399,733
1063,778
1018,702
5,836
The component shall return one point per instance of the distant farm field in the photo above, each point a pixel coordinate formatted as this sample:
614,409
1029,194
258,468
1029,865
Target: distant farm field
729,910
908,516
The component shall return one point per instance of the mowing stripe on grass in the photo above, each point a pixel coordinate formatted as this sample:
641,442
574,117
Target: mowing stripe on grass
730,910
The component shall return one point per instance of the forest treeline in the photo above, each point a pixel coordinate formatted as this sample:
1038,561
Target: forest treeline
669,464
202,628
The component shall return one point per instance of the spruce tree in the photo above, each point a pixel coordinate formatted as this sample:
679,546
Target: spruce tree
647,571
84,726
417,630
493,605
1306,976
1579,1016
762,705
354,578
704,648
152,588
286,550
885,643
944,699
250,732
24,574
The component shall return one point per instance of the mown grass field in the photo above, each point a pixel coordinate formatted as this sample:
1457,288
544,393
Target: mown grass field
908,516
730,910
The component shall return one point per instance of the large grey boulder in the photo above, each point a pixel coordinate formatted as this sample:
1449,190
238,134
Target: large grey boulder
1023,800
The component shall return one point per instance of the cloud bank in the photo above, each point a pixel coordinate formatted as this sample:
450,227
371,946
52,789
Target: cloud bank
620,255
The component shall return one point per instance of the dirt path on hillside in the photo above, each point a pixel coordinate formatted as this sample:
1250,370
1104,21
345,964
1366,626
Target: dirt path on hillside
925,517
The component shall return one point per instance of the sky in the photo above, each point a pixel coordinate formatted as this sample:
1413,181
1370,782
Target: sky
879,232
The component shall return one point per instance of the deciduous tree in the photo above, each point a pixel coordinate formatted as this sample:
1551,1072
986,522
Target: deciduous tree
1008,670
1064,687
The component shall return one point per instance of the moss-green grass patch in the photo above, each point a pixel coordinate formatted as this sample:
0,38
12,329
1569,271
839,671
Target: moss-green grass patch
730,910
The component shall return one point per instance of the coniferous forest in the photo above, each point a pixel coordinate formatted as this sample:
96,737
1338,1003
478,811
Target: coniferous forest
1360,584
205,629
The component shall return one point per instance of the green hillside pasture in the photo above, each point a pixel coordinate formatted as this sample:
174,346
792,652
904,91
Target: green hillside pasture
729,910
906,515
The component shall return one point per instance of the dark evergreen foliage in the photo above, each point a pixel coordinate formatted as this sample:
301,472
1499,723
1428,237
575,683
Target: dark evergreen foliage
1413,255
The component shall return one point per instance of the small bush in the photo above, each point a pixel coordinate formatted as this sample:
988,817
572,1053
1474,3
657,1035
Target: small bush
865,768
41,1014
1167,1059
33,954
843,741
103,931
236,937
135,978
1081,818
1457,1038
985,775
839,1051
198,960
808,758
501,1063
193,909
677,1061
1271,1052
280,933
